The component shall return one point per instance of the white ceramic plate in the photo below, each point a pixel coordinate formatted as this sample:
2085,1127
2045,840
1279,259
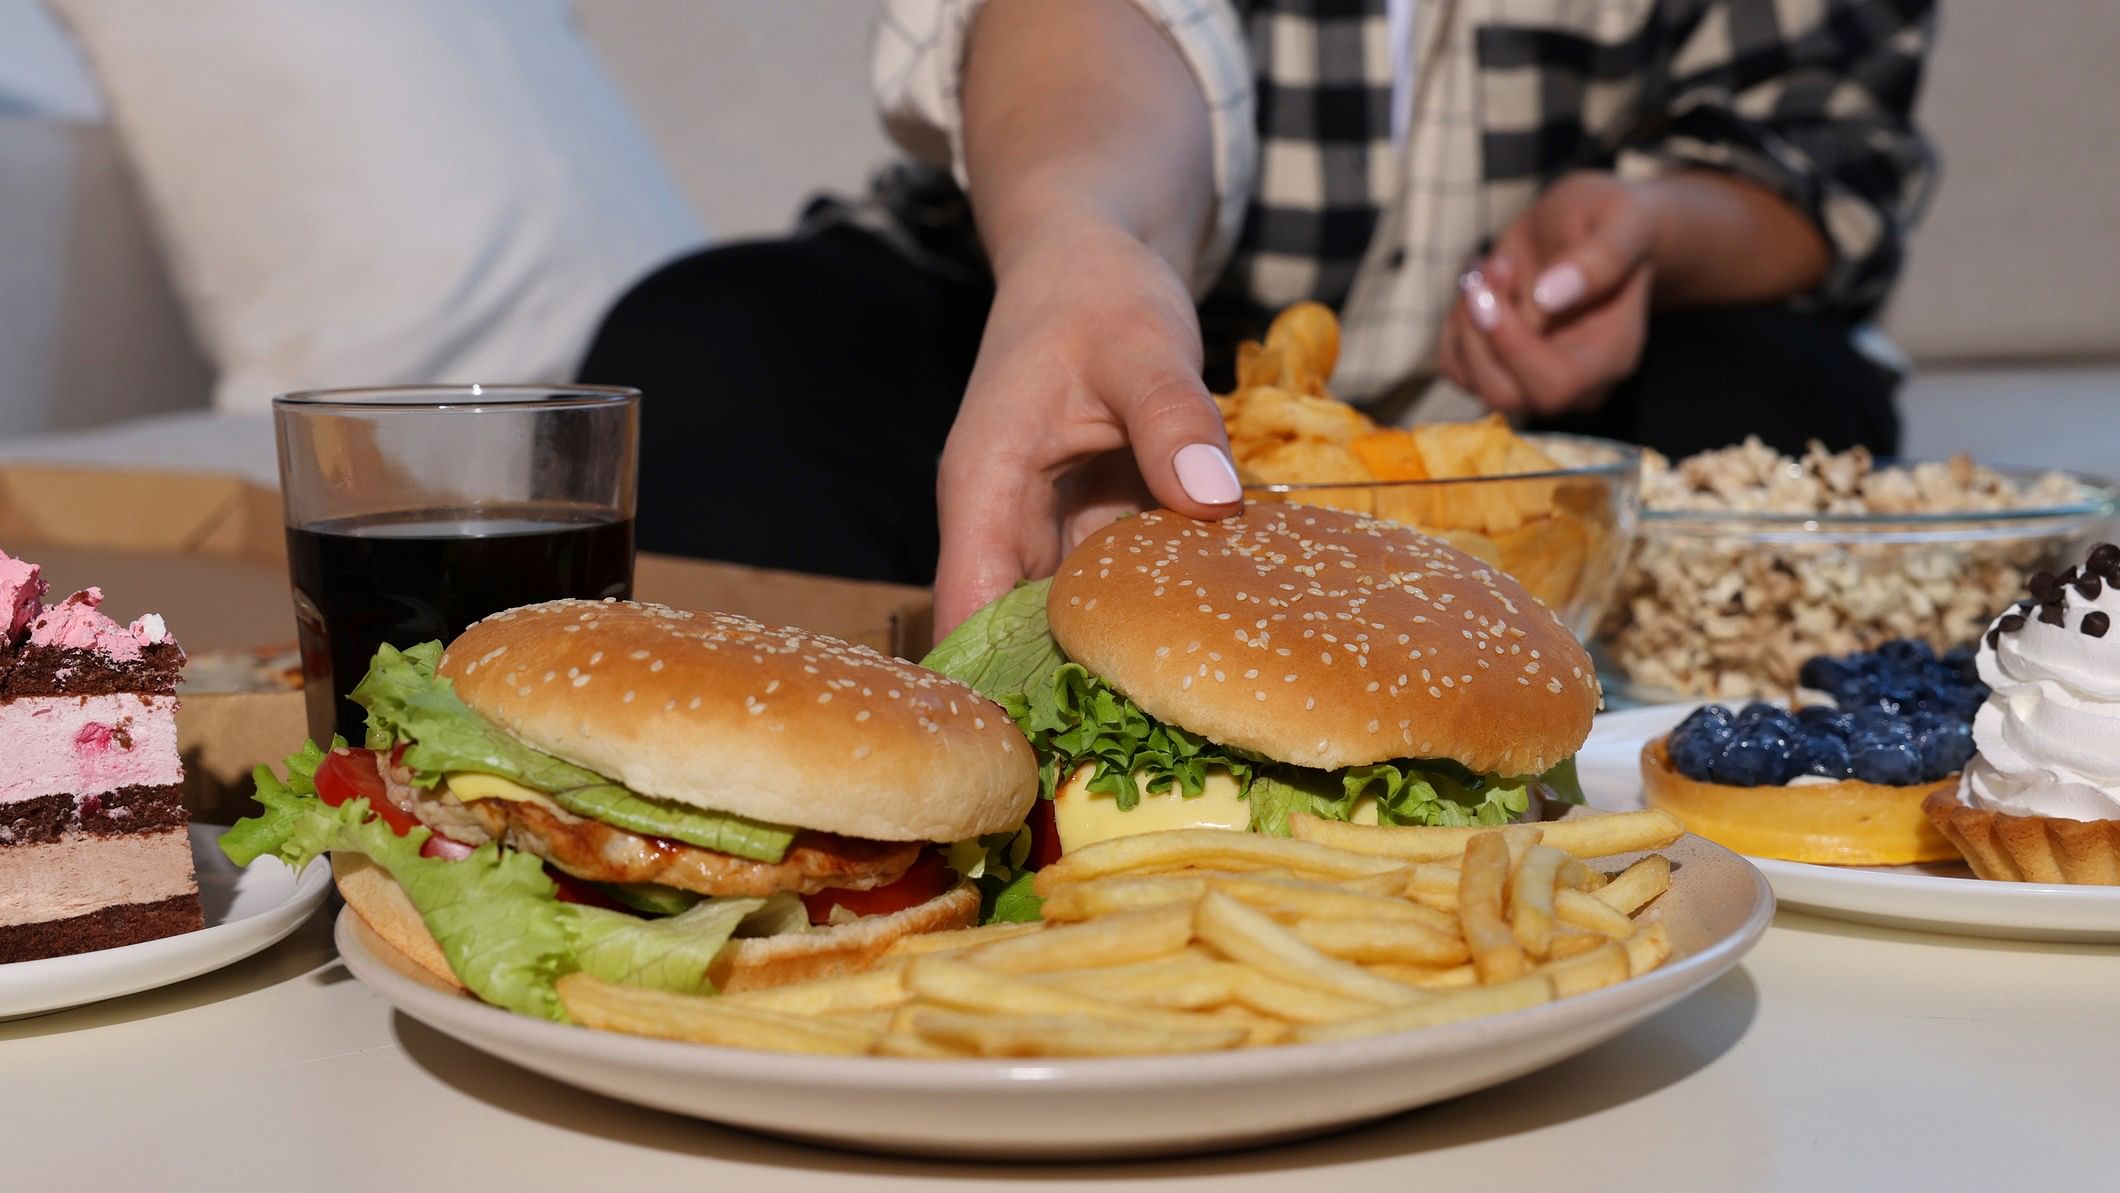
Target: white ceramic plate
1079,1109
247,910
1930,898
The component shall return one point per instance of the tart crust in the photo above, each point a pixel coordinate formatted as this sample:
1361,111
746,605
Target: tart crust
2008,848
1849,823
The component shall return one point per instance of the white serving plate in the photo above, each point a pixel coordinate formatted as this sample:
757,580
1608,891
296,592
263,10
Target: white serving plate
1079,1109
247,911
1930,898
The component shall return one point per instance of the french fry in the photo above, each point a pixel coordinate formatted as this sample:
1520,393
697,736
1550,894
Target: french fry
1427,978
1531,898
1481,885
1209,848
1577,874
904,1043
957,938
948,982
1568,940
1179,982
1284,898
1370,941
1434,885
1605,965
1648,949
1261,1029
1269,995
1637,885
1061,1035
1447,1006
1582,836
640,1011
875,989
1252,937
1111,940
1587,911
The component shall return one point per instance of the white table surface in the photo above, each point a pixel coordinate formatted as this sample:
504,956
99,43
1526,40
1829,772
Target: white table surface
1836,1057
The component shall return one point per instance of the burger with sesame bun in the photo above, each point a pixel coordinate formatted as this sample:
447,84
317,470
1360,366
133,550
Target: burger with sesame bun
1178,673
685,801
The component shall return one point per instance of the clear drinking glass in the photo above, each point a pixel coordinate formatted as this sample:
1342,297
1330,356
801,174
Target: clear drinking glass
413,512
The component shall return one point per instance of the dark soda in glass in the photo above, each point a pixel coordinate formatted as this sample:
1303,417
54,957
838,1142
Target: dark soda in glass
408,578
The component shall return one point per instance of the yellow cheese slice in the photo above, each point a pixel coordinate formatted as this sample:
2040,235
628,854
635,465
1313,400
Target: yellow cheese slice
469,786
1085,817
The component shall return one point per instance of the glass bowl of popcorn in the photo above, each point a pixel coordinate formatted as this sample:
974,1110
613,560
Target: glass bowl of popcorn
1748,562
1557,512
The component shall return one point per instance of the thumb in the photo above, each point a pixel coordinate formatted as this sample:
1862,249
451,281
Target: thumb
1180,445
1596,264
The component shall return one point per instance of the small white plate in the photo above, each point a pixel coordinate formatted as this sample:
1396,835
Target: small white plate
1929,898
247,910
1081,1109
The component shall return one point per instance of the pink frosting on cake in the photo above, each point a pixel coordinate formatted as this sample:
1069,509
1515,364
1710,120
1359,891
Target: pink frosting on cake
21,595
76,624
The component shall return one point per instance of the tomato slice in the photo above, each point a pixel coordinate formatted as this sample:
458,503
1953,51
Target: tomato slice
930,876
570,889
1045,835
349,773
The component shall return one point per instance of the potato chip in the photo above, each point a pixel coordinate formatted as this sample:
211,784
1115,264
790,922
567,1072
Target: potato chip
1306,337
1390,454
1546,556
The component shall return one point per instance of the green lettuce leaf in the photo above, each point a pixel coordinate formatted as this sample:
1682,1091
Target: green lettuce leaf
668,954
496,914
1015,903
1278,792
1005,649
408,702
1078,718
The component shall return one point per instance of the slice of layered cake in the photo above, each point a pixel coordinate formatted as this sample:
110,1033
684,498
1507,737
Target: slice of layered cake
93,847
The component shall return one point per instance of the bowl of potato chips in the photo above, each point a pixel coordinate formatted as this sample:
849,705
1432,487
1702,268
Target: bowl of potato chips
1557,512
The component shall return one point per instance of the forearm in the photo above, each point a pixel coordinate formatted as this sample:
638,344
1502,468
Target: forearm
1080,111
1722,241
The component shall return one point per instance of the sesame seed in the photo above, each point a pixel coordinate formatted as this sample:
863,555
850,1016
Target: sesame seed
863,715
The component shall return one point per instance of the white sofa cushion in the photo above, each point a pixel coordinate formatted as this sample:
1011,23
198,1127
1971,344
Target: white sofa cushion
357,192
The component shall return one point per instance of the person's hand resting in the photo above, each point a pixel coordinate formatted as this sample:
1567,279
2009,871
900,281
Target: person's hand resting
1555,315
1087,384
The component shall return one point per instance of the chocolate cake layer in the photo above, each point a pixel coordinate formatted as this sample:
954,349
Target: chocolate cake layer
126,810
65,671
105,928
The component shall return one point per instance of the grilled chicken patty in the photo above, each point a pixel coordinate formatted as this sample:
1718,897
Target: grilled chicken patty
598,852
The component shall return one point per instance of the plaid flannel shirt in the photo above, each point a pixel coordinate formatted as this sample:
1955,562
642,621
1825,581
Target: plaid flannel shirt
1809,98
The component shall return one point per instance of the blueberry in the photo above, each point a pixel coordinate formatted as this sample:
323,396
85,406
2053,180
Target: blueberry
1824,718
1711,719
1746,761
1694,755
1905,652
1876,758
1822,754
1822,673
1944,751
1754,712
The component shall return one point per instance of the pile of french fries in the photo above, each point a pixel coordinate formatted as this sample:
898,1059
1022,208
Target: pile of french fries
1199,940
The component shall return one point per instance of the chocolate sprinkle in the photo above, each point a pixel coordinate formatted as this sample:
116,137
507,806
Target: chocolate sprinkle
2042,586
2104,557
2095,623
1994,638
2089,587
2053,614
2010,623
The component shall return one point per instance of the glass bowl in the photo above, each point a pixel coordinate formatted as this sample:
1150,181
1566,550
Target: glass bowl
1564,534
1728,606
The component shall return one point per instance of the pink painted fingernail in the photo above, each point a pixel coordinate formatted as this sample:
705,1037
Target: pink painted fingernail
1558,288
1206,475
1486,310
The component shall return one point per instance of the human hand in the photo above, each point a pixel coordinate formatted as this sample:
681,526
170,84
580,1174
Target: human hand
1556,314
1092,346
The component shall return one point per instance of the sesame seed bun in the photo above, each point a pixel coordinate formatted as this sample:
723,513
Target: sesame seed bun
724,713
1324,639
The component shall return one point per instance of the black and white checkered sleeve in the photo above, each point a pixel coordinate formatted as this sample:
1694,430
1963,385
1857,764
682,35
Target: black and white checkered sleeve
917,71
1813,99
